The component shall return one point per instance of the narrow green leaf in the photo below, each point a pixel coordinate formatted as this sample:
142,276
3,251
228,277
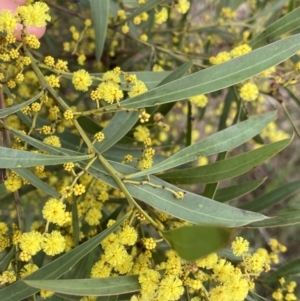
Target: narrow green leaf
100,14
193,208
194,242
218,77
287,23
36,182
13,158
19,290
218,142
142,8
282,219
89,287
272,7
176,74
5,262
293,96
236,191
273,197
290,269
118,127
225,169
13,109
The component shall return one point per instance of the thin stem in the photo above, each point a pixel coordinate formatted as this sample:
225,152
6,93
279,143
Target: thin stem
117,177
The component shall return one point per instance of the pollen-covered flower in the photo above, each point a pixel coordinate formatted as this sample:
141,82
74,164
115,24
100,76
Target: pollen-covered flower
138,88
220,58
128,236
36,14
54,211
249,92
30,242
240,50
93,216
28,269
182,6
161,16
53,243
170,288
239,246
52,140
8,22
13,183
81,80
199,100
141,133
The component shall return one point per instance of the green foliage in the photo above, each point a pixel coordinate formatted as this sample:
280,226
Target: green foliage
108,142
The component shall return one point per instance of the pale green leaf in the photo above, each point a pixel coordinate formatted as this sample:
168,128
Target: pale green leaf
193,208
219,76
216,143
36,182
287,23
100,15
13,109
107,286
13,158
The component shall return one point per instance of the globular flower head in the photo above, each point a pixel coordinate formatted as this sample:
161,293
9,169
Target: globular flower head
53,243
36,14
249,92
239,246
81,80
30,242
54,211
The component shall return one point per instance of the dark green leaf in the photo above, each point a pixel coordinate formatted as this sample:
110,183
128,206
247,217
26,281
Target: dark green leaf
194,242
233,192
282,219
225,169
272,197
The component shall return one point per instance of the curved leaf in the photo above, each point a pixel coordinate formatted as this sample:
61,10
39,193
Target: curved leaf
272,197
227,168
218,142
193,208
13,109
36,182
233,192
194,242
100,14
289,269
107,286
287,23
12,158
282,219
118,127
218,77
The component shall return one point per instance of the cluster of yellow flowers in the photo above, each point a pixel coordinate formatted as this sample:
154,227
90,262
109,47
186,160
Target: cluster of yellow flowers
136,249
